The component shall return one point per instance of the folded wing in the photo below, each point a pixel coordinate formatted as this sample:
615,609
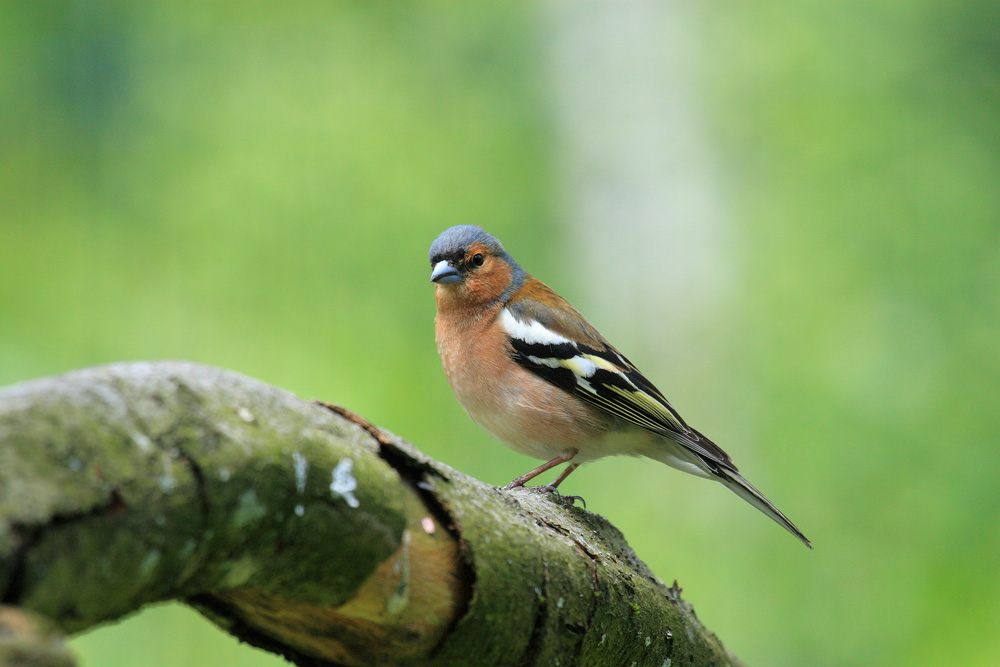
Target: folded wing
571,354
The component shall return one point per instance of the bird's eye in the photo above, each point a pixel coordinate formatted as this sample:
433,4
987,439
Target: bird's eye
478,259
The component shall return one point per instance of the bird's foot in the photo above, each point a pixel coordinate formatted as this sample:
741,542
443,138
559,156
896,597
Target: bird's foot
553,490
518,483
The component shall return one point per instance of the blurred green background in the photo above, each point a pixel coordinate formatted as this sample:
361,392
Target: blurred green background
787,214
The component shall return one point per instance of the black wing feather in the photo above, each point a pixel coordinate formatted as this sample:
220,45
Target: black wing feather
623,392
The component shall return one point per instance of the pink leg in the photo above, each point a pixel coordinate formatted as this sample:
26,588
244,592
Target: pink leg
565,473
562,458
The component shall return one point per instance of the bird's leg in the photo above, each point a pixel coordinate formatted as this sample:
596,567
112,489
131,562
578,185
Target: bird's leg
551,488
565,473
527,477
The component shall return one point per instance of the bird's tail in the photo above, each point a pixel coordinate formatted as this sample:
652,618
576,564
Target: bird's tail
747,492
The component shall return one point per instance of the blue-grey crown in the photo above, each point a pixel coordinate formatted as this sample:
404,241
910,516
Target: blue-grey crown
453,243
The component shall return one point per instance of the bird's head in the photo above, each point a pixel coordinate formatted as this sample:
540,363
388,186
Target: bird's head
470,266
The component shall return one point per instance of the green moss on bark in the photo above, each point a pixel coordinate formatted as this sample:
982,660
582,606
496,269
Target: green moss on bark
130,484
175,479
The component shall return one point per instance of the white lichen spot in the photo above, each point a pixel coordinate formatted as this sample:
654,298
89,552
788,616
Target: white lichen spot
401,596
240,572
224,474
300,510
166,481
246,415
249,509
488,540
187,549
301,471
343,483
603,637
149,562
560,602
538,592
75,464
427,524
141,440
648,641
667,663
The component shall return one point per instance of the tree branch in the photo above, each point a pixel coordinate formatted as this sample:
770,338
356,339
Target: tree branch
304,530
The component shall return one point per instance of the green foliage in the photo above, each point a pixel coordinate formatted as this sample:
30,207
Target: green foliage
256,188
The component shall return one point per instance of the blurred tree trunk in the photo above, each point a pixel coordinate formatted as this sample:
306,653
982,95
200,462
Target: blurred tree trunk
301,529
638,175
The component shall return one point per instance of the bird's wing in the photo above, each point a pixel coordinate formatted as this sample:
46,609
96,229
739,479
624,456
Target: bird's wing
558,345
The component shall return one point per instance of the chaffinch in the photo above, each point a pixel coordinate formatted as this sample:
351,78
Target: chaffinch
529,369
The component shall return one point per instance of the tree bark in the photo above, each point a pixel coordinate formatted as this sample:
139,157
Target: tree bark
302,529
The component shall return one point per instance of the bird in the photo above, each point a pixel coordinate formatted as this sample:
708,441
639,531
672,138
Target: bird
531,371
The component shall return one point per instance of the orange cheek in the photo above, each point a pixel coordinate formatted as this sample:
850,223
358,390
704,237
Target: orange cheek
489,282
479,288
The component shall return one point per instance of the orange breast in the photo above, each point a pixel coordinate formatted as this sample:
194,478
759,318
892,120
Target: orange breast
523,411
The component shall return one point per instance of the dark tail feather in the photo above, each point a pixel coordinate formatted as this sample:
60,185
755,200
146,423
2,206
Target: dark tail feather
747,492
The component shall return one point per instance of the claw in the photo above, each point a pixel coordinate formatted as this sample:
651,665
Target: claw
552,489
545,489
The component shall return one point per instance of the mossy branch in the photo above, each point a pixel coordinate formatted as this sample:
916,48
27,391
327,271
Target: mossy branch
302,529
